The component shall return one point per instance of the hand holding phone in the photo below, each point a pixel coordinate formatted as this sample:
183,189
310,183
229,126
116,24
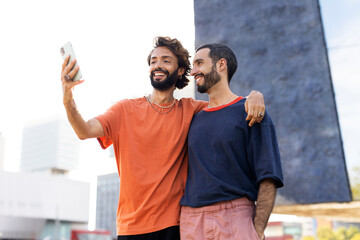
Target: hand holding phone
67,50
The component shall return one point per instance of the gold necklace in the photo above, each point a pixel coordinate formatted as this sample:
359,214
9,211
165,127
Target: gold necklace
171,106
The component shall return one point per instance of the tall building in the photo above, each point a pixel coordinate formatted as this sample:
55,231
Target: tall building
107,202
2,151
49,145
34,205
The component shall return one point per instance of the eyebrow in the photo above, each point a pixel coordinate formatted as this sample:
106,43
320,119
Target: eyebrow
162,57
198,60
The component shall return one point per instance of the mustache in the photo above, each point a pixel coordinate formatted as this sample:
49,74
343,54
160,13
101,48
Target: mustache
159,70
199,74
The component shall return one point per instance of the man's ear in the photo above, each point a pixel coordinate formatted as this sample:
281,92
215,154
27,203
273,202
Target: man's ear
181,71
222,64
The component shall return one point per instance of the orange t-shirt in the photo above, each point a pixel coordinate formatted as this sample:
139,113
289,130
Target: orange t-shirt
151,156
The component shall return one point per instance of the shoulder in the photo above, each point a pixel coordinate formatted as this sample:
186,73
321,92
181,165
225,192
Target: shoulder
237,110
267,119
126,102
237,106
192,103
241,102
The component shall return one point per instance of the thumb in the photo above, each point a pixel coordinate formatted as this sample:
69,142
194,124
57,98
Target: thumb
78,82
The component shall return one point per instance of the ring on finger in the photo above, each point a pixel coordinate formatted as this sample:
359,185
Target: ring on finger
67,78
261,114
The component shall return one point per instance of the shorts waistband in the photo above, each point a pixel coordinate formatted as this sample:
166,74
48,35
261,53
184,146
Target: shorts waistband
220,205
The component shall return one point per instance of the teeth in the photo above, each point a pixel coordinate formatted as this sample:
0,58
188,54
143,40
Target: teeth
197,78
159,74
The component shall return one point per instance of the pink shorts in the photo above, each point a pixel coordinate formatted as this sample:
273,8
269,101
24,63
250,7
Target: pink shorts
223,220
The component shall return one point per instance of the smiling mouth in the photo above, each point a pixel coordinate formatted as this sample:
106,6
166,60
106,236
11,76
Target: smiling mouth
157,74
197,77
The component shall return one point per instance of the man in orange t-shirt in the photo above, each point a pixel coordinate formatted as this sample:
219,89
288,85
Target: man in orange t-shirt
149,135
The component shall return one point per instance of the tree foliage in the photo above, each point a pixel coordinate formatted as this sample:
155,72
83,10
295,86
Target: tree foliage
308,238
342,233
355,186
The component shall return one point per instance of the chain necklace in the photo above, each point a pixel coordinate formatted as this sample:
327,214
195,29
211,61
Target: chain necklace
162,111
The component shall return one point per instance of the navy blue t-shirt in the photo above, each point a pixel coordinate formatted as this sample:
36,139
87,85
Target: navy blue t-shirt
227,158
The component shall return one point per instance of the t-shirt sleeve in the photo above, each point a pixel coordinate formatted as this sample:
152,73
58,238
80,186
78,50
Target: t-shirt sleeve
110,122
263,152
199,105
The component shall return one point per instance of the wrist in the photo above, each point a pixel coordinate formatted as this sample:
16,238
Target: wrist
259,231
67,97
261,236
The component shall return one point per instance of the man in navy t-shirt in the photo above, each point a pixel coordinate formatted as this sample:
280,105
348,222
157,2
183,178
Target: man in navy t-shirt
234,169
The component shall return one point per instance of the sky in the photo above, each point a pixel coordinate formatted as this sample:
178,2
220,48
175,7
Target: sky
341,22
112,40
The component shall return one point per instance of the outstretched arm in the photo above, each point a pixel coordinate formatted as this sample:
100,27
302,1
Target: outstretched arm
84,130
264,206
255,107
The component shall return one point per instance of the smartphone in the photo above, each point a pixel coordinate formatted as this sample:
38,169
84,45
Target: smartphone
66,50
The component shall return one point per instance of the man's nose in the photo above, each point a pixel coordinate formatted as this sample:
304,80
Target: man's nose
158,64
193,71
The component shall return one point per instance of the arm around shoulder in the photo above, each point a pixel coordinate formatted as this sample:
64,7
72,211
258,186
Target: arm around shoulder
255,107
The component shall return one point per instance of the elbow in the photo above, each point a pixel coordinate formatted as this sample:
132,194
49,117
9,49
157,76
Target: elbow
82,136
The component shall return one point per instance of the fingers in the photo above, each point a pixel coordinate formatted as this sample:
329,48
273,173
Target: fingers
73,72
255,114
250,115
68,69
255,118
73,84
70,66
252,121
65,63
255,107
261,115
69,85
79,82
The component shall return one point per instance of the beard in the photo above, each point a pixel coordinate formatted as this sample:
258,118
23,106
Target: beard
210,79
166,84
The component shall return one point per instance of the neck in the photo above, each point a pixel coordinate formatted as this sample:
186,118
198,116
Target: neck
162,97
220,94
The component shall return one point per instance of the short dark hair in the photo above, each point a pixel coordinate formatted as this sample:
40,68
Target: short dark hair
180,52
219,51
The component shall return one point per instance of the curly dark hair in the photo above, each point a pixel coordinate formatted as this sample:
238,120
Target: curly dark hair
180,52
